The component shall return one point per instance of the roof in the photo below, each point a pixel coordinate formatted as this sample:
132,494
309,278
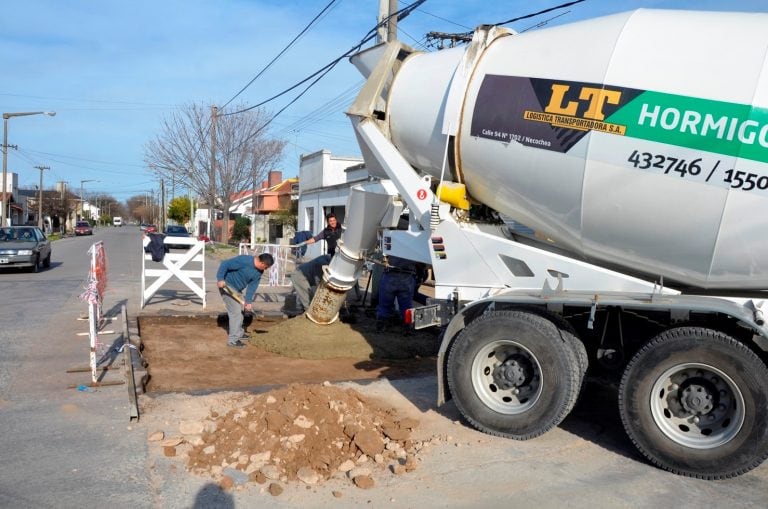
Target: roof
283,187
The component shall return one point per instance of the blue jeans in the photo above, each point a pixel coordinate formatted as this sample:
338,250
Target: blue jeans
395,286
235,314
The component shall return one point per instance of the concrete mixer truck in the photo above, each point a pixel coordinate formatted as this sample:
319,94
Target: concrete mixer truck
635,149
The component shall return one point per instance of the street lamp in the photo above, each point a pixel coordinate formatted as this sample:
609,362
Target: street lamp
6,116
82,198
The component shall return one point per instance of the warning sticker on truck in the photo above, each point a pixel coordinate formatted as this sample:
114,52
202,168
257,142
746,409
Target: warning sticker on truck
556,114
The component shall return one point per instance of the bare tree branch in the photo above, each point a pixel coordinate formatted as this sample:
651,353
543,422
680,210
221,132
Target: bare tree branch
244,153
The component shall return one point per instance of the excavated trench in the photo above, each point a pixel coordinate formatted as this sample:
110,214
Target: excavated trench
189,353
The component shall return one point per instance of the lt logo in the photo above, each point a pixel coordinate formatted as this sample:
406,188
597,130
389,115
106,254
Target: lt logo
596,99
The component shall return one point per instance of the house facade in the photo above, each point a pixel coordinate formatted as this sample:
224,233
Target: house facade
273,196
15,206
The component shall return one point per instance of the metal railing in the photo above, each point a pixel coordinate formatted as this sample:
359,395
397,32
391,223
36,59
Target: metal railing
285,261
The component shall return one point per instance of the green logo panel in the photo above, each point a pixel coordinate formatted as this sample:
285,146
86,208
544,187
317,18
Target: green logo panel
714,126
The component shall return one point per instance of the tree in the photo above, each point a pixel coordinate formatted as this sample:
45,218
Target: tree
287,217
109,207
244,153
179,209
141,208
59,204
242,229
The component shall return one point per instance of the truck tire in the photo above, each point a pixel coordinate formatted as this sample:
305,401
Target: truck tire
512,374
580,354
569,335
695,402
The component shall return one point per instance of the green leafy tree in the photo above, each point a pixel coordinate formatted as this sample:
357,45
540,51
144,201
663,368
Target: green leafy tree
179,209
242,229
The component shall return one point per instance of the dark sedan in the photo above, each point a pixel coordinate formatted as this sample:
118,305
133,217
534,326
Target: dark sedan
24,246
83,228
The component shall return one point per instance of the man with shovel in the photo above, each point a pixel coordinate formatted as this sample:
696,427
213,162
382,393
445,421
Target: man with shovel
236,274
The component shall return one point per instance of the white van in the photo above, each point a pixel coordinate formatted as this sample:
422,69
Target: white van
117,221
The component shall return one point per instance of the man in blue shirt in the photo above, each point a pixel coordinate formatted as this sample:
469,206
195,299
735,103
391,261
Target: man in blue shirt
240,273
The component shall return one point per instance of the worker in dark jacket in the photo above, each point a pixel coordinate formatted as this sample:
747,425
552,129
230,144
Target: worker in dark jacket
397,284
306,278
331,233
240,273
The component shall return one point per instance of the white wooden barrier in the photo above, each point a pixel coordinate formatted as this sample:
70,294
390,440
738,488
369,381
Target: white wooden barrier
284,263
173,263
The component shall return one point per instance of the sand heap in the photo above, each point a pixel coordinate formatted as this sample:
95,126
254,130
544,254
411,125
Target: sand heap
306,433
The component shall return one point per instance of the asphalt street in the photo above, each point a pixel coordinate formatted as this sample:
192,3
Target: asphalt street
61,447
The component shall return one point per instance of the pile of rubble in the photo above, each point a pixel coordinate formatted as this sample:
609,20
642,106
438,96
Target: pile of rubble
299,433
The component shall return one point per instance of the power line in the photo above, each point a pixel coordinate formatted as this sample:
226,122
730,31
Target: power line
293,41
84,159
317,75
561,6
543,23
417,41
443,19
330,107
401,14
467,36
87,100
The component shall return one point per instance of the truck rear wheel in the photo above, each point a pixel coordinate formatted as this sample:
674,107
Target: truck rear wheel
695,402
513,374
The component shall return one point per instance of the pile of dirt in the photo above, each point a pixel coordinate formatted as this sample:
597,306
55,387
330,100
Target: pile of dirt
303,433
301,338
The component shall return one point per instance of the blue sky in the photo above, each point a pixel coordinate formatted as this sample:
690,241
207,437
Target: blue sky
112,69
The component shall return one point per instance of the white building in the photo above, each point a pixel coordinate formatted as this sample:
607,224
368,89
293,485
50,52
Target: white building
324,182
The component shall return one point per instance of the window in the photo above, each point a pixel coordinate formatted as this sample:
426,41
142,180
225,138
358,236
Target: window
309,218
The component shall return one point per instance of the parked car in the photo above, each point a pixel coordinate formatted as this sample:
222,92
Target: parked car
143,226
83,228
175,231
24,246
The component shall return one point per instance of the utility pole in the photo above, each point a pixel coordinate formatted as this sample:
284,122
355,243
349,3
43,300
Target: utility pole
212,172
392,24
387,31
82,199
162,205
40,197
381,30
64,208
